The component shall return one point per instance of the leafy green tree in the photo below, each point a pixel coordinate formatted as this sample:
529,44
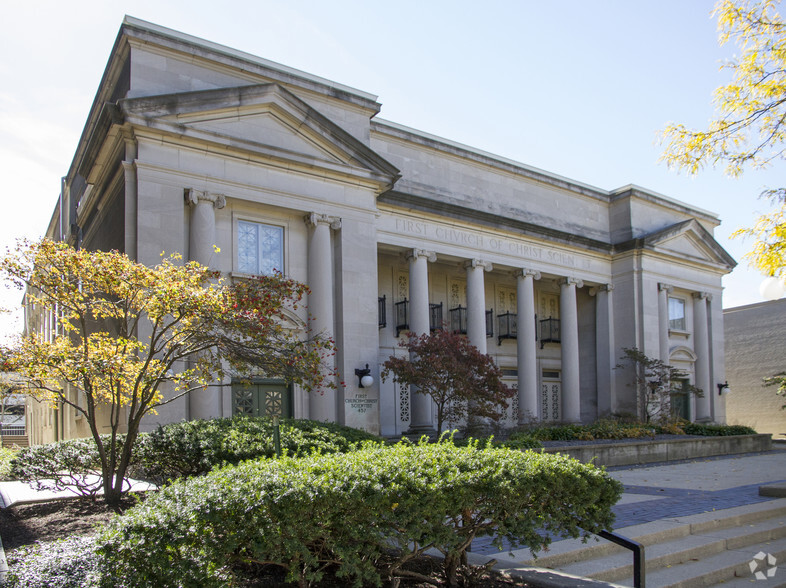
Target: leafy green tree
656,381
749,130
462,381
124,333
778,380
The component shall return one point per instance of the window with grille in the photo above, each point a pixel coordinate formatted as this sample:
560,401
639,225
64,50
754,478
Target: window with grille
260,248
677,314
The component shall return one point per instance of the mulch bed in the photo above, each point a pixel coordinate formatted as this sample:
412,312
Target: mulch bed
25,524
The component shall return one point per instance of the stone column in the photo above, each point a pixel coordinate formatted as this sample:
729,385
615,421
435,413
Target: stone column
130,197
701,346
663,321
476,302
569,334
526,345
604,348
207,403
322,403
202,234
421,405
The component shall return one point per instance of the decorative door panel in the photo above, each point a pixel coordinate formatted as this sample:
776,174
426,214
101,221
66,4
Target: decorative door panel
262,399
551,396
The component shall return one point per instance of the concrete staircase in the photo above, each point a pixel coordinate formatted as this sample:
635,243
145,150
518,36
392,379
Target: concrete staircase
708,549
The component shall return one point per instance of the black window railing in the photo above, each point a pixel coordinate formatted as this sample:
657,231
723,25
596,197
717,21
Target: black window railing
549,331
402,316
382,313
507,327
435,317
458,321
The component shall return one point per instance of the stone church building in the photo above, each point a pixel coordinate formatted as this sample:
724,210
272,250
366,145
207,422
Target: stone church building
190,144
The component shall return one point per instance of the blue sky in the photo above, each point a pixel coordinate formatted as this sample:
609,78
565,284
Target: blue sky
576,87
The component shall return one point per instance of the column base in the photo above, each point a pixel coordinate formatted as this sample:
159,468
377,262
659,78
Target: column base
414,433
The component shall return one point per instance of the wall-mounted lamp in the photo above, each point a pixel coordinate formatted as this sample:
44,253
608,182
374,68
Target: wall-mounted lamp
722,387
366,381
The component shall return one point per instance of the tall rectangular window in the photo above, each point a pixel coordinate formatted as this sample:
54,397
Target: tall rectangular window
260,248
677,314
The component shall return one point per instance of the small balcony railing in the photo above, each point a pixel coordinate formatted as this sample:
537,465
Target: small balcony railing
435,317
507,327
458,321
382,312
549,331
402,316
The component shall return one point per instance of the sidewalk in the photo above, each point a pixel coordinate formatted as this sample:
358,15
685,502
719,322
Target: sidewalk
13,493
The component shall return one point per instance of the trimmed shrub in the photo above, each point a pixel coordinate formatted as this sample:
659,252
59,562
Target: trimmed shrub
66,563
7,454
716,430
74,464
192,448
522,440
364,513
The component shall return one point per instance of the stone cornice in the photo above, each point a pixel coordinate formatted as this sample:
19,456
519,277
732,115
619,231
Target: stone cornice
148,32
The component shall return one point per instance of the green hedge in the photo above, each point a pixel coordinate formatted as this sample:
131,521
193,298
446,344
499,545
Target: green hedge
7,454
191,448
614,429
716,430
351,512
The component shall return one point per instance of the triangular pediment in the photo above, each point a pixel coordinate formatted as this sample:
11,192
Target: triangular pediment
266,119
690,241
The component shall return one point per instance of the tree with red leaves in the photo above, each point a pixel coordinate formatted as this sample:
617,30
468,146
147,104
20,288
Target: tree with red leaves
462,381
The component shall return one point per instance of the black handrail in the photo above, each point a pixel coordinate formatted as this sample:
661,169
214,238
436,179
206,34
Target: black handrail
638,555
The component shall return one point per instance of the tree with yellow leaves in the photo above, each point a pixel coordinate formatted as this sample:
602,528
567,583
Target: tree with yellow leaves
750,128
131,338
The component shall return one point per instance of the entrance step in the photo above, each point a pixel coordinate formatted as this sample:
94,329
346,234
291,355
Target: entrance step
699,550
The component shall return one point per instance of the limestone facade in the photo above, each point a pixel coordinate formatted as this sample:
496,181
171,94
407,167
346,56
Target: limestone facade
190,144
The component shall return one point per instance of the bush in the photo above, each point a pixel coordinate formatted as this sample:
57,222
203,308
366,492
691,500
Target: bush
72,464
377,506
6,455
522,440
66,563
717,430
191,448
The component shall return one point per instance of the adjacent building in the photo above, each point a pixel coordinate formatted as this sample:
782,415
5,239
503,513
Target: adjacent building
190,144
755,349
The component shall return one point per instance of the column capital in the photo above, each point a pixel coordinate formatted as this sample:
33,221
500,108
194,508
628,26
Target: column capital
668,288
194,197
569,280
702,295
312,219
600,288
524,272
416,253
476,263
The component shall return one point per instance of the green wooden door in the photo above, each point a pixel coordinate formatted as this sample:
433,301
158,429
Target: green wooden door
680,403
262,398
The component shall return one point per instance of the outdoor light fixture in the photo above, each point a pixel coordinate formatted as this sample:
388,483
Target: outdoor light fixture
772,288
722,387
366,381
